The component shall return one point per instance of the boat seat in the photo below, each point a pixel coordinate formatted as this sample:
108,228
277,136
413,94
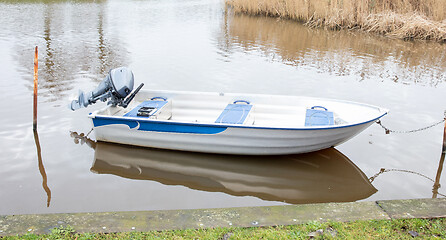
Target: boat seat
237,112
319,116
155,108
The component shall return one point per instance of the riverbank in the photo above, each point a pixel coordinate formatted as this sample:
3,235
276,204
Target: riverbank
425,20
371,229
302,219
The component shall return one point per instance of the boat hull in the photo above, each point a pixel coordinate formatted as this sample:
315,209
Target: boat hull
215,138
233,123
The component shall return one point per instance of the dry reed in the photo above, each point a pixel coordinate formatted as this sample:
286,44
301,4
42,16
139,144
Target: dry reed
407,19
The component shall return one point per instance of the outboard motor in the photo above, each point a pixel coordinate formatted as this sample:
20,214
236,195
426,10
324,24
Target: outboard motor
116,86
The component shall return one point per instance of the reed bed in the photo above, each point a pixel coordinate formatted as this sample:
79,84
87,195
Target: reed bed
406,19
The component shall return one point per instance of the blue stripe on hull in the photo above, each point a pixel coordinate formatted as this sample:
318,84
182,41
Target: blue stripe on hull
160,126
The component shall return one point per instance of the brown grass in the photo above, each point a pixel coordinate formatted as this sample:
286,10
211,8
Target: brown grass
407,19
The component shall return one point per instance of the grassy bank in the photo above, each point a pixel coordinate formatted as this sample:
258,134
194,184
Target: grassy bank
372,229
407,19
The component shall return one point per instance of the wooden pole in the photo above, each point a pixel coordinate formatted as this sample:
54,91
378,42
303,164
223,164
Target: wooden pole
440,166
36,64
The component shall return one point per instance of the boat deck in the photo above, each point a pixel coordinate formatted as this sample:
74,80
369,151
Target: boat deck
258,110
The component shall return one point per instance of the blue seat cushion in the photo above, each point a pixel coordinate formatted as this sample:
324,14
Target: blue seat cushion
316,117
234,114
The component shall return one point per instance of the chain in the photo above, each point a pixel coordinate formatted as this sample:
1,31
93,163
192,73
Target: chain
81,139
383,170
411,131
89,132
372,178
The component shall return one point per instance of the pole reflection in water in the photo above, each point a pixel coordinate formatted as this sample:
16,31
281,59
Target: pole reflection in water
440,165
324,176
42,168
437,178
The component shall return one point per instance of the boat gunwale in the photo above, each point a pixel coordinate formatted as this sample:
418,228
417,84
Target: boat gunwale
384,112
221,125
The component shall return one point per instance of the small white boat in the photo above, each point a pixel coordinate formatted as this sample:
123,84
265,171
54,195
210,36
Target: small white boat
233,123
246,124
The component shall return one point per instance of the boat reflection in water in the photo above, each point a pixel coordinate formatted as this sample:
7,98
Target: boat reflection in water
324,176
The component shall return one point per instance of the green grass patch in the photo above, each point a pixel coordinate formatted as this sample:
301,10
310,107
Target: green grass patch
372,229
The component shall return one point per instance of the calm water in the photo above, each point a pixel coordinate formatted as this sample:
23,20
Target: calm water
199,45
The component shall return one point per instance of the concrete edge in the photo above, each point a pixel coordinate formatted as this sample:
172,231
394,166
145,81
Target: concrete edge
106,222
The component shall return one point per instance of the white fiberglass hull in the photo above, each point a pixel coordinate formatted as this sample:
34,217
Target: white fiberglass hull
258,138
